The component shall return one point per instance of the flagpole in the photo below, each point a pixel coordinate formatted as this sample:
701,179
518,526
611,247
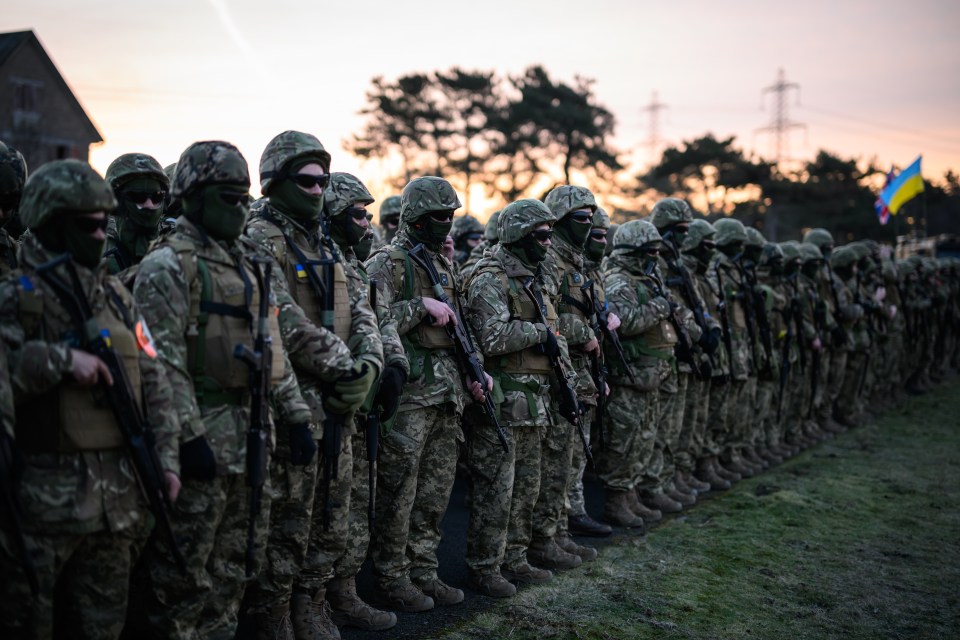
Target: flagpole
924,213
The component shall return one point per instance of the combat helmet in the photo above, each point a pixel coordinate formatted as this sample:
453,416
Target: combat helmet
754,238
465,225
810,252
390,208
284,149
425,195
771,255
729,231
819,237
135,165
670,211
519,218
844,257
64,186
700,230
206,163
13,175
567,198
490,230
791,251
344,191
601,220
634,235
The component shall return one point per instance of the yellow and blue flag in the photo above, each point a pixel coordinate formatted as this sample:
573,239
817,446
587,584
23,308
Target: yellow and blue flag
904,187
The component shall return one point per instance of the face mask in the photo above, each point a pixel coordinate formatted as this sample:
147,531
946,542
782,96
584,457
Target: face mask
677,235
364,247
811,269
74,234
431,232
345,231
530,252
595,250
574,232
220,209
293,201
132,211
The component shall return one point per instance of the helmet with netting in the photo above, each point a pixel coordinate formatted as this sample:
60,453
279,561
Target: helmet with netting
390,208
810,252
754,238
601,220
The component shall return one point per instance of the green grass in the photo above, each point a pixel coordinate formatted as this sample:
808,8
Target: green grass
857,538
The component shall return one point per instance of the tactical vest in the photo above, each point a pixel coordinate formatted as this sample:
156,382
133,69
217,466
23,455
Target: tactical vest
416,283
655,343
72,417
224,299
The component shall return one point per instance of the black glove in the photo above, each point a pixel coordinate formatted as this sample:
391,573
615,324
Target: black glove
550,347
302,446
391,387
710,340
197,461
570,406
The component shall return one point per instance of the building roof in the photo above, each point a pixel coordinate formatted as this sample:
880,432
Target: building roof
10,41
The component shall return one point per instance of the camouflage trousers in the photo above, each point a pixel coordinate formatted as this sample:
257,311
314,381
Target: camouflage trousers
764,427
693,431
740,412
293,488
210,521
838,371
820,406
850,401
505,490
418,461
358,522
555,461
329,520
575,504
661,466
632,417
715,433
84,581
800,394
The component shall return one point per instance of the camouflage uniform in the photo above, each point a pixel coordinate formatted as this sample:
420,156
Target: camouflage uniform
13,175
844,262
489,240
83,512
133,177
389,213
196,291
508,330
418,456
770,282
465,230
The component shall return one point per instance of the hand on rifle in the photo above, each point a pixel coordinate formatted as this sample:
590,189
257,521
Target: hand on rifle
351,390
173,485
440,313
87,369
613,321
592,347
478,392
549,347
570,407
817,344
391,387
302,446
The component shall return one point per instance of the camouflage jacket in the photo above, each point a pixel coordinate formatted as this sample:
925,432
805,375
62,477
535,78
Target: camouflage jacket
492,310
164,293
675,270
66,490
735,296
476,253
8,253
318,355
435,378
775,298
719,362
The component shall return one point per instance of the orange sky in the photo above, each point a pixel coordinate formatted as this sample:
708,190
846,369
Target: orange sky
878,79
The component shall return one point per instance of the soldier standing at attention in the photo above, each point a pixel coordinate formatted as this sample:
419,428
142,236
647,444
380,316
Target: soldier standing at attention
13,175
418,456
83,513
141,188
198,288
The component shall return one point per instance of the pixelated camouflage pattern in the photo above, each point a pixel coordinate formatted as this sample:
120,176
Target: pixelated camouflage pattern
634,234
283,149
344,191
729,231
135,165
670,211
64,185
519,218
209,162
426,195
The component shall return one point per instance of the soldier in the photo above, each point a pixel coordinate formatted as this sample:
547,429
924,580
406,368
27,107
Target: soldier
648,340
502,293
844,262
390,217
771,386
141,186
197,288
563,269
467,233
345,202
83,513
13,175
488,241
310,527
418,456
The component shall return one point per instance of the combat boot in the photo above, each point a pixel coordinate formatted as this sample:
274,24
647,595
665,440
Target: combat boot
694,483
525,573
275,624
767,454
708,474
650,516
680,484
566,543
584,525
685,499
735,463
751,456
492,585
348,610
311,617
443,594
832,426
724,471
546,553
661,501
617,512
407,598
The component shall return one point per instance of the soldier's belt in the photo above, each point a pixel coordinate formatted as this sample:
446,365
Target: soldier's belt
239,397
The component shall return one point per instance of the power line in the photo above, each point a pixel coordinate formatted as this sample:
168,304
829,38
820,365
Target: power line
654,141
781,125
885,126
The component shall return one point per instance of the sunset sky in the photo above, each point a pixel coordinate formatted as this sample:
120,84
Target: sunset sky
877,79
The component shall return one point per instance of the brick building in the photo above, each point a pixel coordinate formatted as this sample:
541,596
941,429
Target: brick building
39,115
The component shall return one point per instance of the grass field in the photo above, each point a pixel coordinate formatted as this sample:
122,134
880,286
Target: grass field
857,538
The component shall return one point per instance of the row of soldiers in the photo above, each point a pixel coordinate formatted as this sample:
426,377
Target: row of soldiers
304,404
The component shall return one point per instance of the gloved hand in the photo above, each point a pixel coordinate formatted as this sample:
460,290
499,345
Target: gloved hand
662,307
197,461
549,347
570,407
710,340
391,387
302,446
351,390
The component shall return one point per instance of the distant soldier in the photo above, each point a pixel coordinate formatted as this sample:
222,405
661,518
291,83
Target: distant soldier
389,217
13,175
83,511
488,241
503,290
467,232
141,187
198,288
844,262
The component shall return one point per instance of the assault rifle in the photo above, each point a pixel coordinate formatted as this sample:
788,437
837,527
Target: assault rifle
258,360
138,438
568,397
373,436
463,343
757,304
724,318
685,348
690,297
820,323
